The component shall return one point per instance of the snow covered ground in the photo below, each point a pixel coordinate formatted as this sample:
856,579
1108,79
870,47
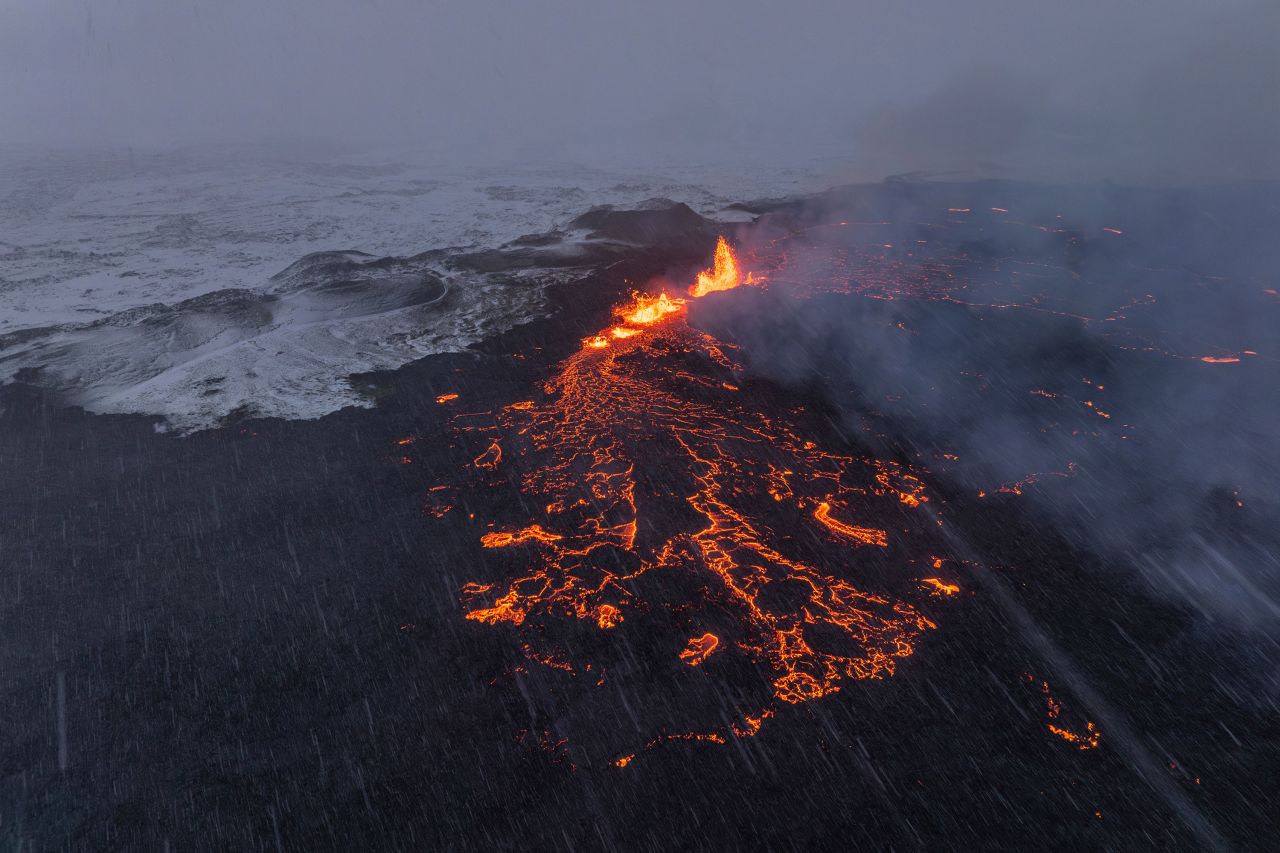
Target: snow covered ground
143,282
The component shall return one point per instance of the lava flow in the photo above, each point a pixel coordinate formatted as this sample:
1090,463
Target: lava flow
645,462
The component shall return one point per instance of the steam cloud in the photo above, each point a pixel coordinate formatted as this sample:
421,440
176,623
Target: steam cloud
1156,487
1196,105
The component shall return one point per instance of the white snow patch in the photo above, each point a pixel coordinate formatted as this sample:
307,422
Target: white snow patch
85,237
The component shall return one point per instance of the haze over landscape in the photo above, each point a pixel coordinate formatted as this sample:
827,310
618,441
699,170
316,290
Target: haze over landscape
1174,89
720,425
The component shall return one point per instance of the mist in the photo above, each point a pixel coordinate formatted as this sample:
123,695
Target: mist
379,472
1090,403
1041,90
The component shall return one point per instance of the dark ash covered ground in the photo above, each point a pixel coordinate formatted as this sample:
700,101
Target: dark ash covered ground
252,636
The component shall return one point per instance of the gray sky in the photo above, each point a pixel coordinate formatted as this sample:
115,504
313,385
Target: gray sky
901,83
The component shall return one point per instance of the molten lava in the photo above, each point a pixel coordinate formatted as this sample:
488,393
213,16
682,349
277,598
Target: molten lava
654,388
940,587
699,649
864,535
723,276
1088,739
647,310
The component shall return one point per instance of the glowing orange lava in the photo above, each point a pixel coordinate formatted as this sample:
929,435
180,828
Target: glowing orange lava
1088,739
531,533
491,457
723,276
699,649
608,616
579,453
940,587
865,535
647,310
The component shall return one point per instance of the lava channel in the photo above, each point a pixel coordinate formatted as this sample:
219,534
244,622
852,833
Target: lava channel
645,461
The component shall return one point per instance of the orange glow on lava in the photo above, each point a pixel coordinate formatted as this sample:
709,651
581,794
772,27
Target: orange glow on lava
723,276
532,533
1088,739
699,649
579,452
646,310
491,457
865,535
608,616
940,587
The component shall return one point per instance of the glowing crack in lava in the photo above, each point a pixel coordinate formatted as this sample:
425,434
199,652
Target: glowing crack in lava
699,649
1082,740
652,390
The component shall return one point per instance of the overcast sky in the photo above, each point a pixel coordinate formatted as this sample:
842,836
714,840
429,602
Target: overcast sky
1181,85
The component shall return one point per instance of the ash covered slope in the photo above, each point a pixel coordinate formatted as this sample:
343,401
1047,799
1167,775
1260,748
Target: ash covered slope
287,349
